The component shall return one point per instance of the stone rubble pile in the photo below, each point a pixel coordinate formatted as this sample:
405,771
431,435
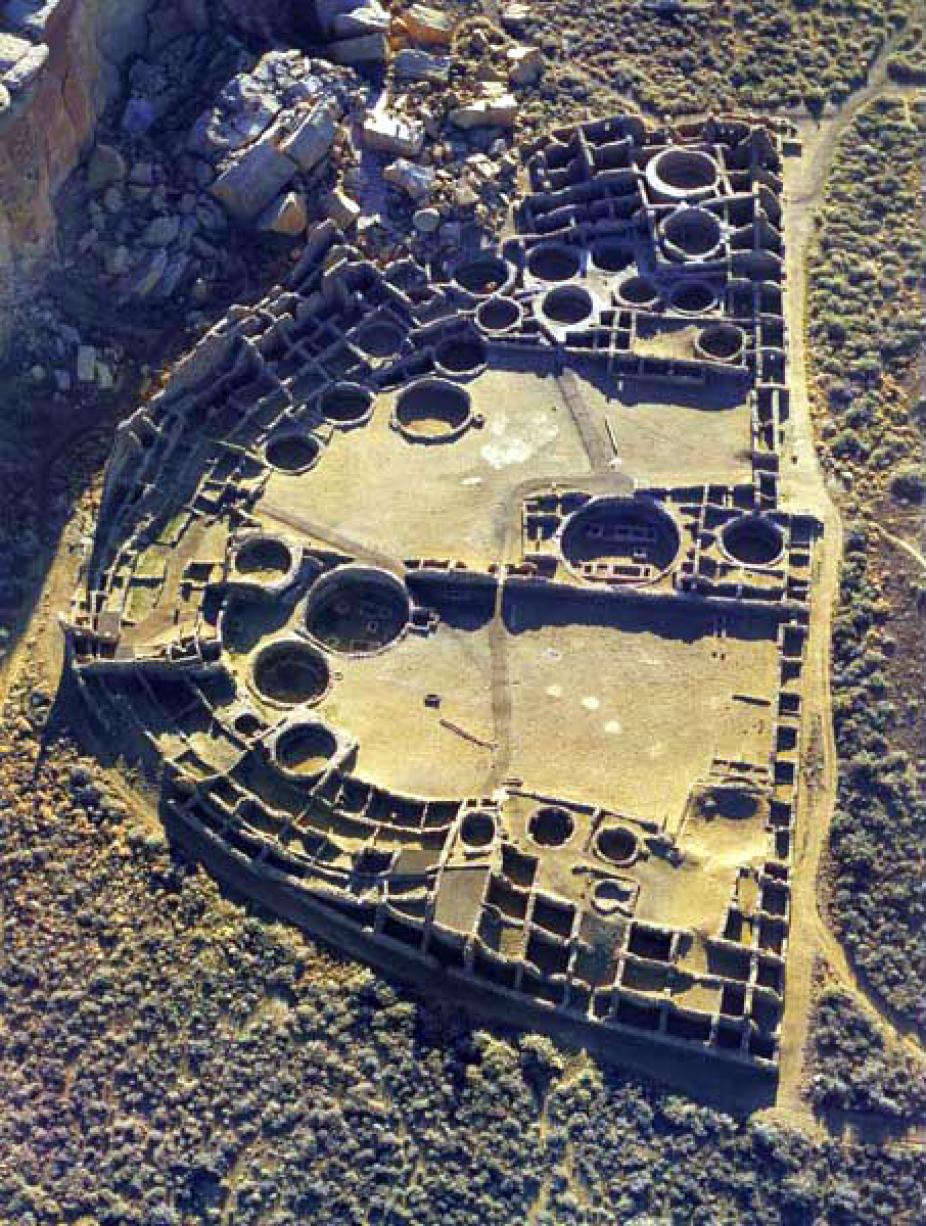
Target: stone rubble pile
151,236
410,156
269,128
292,141
55,354
442,125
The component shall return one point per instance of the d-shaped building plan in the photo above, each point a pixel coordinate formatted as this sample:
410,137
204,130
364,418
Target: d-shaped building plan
457,610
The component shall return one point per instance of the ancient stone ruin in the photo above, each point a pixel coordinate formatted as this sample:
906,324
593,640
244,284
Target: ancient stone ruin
459,611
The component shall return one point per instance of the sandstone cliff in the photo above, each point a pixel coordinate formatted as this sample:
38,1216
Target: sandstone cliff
59,63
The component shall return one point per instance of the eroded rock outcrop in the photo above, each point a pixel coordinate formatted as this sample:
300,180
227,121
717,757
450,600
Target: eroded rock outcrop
59,61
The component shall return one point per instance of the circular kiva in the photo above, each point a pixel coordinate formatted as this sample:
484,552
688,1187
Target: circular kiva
691,234
290,672
306,749
379,339
346,404
620,540
692,298
617,845
477,828
263,559
638,291
551,826
432,411
568,305
608,896
357,610
292,452
461,355
611,256
721,343
498,314
483,275
753,540
554,262
677,172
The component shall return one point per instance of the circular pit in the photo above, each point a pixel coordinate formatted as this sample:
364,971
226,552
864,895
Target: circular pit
721,343
379,339
611,257
617,845
306,749
263,559
568,305
477,829
693,298
483,275
498,314
551,826
357,610
679,172
461,355
432,411
554,262
620,540
638,292
292,453
346,404
691,233
609,896
291,672
753,540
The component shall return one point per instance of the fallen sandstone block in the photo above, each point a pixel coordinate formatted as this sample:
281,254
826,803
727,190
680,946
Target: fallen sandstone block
312,139
525,64
368,48
12,49
500,112
411,64
26,69
385,132
426,25
285,215
106,166
370,18
341,209
252,181
415,181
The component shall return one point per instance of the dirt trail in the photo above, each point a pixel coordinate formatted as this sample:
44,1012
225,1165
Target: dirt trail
804,486
907,546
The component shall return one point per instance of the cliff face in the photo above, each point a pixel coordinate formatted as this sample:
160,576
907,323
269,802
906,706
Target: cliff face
59,64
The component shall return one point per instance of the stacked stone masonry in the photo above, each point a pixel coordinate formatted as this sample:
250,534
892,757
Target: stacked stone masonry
219,625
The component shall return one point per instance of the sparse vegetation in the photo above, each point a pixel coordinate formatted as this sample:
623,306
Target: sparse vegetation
866,332
856,1067
168,1057
681,58
865,278
908,63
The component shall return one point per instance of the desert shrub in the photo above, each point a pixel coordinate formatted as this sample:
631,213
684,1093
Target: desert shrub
855,1067
908,484
869,236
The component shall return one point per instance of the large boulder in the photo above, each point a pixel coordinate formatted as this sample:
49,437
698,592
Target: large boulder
267,126
252,180
500,112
